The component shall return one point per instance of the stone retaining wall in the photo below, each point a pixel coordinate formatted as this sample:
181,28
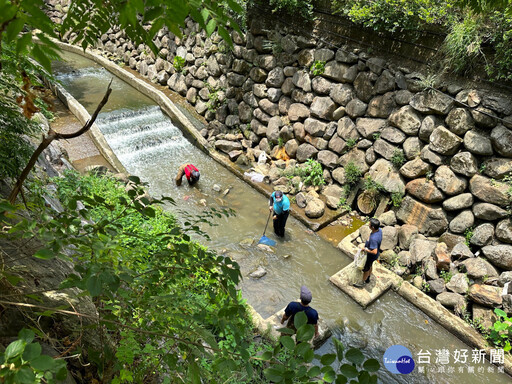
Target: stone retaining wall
445,154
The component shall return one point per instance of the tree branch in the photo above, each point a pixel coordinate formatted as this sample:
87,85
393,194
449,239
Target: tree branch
52,135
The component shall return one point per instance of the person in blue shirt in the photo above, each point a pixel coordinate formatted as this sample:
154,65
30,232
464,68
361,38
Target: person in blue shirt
372,249
280,204
295,307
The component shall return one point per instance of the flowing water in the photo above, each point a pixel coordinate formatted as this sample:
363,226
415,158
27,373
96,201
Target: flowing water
150,146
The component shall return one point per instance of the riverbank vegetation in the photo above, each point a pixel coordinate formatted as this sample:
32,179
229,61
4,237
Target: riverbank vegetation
478,33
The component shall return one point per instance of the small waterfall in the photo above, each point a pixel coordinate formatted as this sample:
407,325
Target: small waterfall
141,133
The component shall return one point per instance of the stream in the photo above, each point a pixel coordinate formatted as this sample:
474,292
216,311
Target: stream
151,147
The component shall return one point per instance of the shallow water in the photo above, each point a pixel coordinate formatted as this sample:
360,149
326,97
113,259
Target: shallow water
150,146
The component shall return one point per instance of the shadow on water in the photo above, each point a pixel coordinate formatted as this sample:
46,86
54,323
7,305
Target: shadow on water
151,146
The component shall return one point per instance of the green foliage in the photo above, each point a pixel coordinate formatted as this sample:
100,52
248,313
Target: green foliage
343,204
158,294
468,234
312,173
371,185
215,100
446,276
462,45
352,174
280,142
501,332
304,8
469,25
351,143
23,363
393,15
336,367
179,64
397,198
508,181
317,68
398,158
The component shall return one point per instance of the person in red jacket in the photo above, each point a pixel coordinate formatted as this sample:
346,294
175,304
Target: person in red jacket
190,172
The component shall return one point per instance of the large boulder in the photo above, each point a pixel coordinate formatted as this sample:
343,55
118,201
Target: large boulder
421,249
461,252
405,235
459,121
444,142
478,143
407,119
458,283
485,295
501,138
305,151
464,200
389,238
432,102
381,106
499,255
464,163
430,220
357,157
328,158
227,146
448,182
315,208
482,235
425,190
385,174
462,221
478,268
347,129
490,212
504,230
489,190
336,71
442,257
342,93
497,168
323,107
315,127
368,127
415,168
297,112
384,149
452,300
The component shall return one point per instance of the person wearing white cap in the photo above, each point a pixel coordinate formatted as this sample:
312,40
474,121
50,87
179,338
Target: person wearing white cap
296,307
280,204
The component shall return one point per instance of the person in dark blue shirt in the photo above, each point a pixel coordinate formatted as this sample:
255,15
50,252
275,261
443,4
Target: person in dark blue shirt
295,307
280,204
372,249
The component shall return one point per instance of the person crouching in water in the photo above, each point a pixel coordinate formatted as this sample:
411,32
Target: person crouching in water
280,204
190,172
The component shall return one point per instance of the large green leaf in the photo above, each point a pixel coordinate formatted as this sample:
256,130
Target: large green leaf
94,285
305,333
339,348
274,374
287,342
300,319
328,359
32,351
14,349
26,335
43,363
314,371
354,355
371,365
44,254
349,371
25,376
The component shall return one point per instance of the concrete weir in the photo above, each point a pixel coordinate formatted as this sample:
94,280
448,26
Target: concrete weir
385,280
